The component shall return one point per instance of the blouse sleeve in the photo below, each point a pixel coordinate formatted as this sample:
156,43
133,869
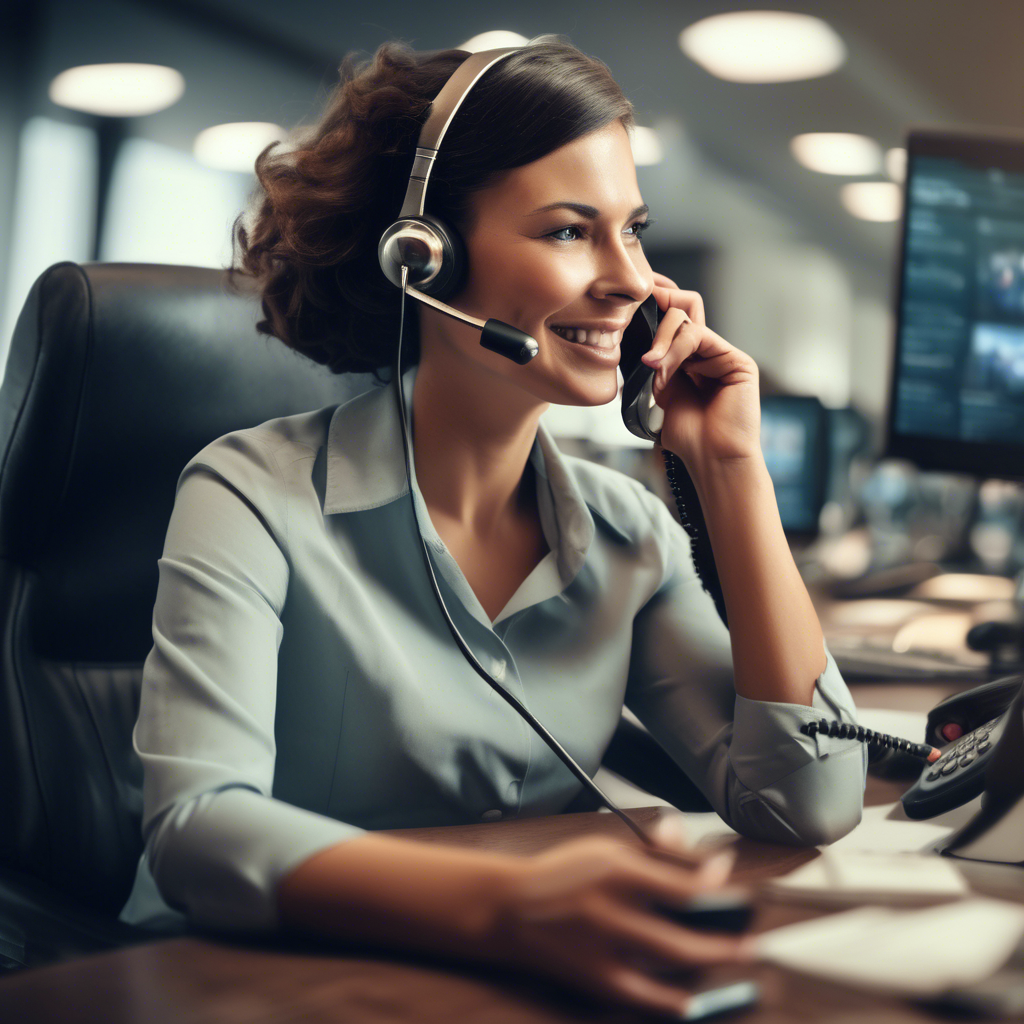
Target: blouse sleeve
767,780
216,841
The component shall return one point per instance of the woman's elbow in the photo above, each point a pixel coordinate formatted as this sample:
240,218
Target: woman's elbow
810,807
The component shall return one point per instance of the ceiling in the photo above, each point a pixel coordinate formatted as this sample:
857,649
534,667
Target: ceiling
910,61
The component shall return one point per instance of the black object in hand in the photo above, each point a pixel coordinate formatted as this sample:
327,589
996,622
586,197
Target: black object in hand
719,911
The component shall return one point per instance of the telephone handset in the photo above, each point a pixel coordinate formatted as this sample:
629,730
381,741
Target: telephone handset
644,417
640,412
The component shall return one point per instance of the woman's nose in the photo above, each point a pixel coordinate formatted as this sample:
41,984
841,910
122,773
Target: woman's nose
623,273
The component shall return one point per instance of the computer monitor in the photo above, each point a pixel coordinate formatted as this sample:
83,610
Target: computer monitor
795,444
956,401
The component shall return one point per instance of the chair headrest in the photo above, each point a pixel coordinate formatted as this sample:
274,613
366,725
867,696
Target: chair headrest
117,375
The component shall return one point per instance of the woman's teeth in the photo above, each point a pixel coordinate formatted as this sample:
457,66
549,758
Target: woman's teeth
598,339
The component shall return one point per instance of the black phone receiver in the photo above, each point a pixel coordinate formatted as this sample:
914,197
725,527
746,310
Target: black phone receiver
641,414
644,417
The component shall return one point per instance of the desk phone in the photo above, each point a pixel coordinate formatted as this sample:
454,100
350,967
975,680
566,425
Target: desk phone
960,773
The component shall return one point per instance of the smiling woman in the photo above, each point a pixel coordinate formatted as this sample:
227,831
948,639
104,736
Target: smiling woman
304,693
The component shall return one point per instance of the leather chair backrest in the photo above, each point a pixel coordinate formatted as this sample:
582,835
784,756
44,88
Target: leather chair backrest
117,375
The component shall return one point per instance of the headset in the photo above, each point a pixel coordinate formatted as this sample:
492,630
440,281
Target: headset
429,251
426,259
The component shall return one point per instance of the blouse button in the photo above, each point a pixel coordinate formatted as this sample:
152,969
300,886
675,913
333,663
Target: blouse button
492,815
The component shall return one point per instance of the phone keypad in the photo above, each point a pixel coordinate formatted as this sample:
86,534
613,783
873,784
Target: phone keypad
963,752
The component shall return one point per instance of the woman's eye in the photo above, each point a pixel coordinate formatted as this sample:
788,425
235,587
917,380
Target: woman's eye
555,234
640,227
636,230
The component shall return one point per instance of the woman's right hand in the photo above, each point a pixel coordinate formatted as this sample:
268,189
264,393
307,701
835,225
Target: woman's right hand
580,913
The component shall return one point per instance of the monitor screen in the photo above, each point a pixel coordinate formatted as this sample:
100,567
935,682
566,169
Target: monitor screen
957,395
794,440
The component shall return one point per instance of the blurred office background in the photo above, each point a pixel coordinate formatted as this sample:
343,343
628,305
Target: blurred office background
771,163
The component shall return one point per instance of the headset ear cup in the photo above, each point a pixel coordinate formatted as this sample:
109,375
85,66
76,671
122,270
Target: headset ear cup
451,277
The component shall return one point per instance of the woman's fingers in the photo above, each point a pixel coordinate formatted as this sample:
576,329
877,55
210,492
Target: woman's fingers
678,330
670,297
648,932
628,985
677,338
652,878
697,349
728,368
602,975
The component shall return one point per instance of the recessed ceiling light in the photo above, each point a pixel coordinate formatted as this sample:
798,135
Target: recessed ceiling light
118,90
646,146
896,163
837,153
872,200
763,46
493,40
235,146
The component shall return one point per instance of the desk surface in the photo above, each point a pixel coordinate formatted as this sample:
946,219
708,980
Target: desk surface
206,981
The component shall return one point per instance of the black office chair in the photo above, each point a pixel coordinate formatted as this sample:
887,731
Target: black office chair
117,375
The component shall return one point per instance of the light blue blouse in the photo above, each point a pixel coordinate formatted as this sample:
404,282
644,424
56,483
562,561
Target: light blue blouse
303,687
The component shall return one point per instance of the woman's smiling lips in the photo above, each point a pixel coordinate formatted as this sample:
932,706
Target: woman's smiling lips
600,341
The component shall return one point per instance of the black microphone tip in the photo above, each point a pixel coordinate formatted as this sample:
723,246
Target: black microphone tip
529,349
508,341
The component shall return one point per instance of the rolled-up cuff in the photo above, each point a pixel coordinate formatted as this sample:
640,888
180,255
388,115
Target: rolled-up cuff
799,789
220,857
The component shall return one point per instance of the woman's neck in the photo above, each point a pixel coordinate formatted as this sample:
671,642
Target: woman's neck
472,439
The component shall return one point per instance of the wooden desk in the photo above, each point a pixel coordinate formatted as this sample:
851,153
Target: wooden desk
207,981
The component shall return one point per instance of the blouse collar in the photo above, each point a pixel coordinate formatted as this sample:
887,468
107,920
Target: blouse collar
366,470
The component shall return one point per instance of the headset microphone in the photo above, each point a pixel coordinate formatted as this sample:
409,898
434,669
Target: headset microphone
499,337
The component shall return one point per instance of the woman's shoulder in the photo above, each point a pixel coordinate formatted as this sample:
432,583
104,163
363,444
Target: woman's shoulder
266,456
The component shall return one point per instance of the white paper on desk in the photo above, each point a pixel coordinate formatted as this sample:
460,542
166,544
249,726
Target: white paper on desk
844,877
878,832
903,952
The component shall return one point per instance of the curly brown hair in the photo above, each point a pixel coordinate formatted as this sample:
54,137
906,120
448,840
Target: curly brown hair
321,207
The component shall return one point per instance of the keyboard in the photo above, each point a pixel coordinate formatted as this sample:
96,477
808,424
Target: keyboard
864,663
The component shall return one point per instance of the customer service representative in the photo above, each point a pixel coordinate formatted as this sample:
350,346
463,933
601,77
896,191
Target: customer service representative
303,690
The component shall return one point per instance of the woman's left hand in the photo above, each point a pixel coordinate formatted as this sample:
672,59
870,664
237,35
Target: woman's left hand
707,388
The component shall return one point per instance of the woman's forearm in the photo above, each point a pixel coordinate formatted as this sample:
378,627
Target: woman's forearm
777,644
402,894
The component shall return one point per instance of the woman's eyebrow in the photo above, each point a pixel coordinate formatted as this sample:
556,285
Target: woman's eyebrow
591,212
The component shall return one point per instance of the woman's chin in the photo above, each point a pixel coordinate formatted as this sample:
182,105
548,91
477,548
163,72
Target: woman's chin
589,393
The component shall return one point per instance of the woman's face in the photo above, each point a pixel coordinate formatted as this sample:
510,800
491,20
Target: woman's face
554,249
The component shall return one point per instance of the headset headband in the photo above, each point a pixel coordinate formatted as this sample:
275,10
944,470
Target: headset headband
419,253
442,110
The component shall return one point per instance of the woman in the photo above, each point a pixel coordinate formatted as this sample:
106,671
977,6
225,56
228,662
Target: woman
303,690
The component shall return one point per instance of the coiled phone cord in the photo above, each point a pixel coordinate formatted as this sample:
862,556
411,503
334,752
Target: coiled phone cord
850,731
692,518
520,708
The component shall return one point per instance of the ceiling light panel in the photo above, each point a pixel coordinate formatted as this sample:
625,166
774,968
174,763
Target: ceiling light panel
118,90
837,153
763,46
235,146
646,146
896,163
493,40
872,200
